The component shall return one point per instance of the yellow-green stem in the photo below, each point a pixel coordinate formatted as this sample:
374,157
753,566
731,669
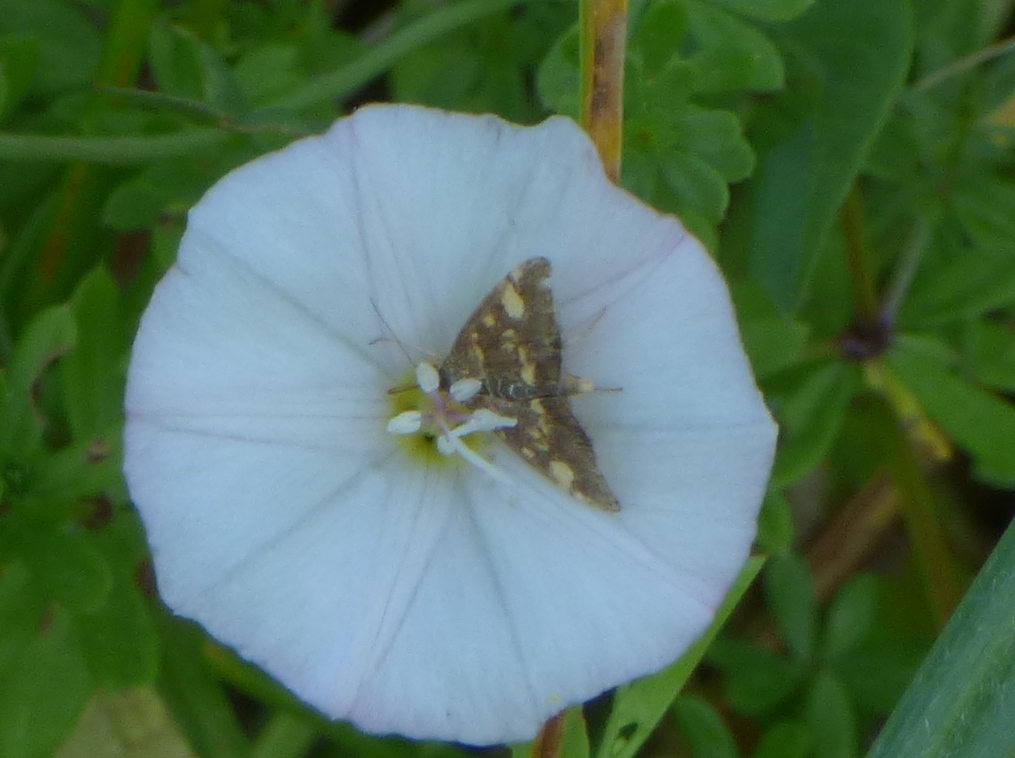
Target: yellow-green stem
933,557
603,44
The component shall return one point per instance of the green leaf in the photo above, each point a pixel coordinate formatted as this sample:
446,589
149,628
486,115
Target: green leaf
772,340
186,67
704,729
85,469
731,54
768,10
269,71
877,672
167,188
787,739
948,289
980,422
67,565
775,524
639,706
660,33
960,701
21,614
717,137
993,355
118,639
832,719
194,695
43,693
757,680
851,615
50,334
19,58
378,58
793,602
558,80
486,66
849,60
696,185
286,734
93,374
576,737
810,402
68,42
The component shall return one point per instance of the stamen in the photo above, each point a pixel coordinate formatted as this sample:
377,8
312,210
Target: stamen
436,418
427,377
452,444
465,389
408,422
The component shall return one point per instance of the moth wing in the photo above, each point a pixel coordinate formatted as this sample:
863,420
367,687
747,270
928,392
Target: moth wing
549,438
512,341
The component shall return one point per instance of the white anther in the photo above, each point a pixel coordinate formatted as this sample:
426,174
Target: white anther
485,420
427,377
482,420
465,389
451,444
408,422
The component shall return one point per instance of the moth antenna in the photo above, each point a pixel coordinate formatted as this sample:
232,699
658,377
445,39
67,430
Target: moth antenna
391,333
576,385
401,345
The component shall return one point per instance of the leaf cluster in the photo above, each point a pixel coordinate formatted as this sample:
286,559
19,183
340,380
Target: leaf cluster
851,167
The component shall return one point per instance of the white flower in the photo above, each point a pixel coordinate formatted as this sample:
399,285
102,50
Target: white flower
419,594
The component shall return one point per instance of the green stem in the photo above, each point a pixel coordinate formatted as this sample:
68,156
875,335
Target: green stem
379,58
916,500
114,151
964,64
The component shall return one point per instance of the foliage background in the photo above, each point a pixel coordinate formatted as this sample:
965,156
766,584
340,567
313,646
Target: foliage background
850,165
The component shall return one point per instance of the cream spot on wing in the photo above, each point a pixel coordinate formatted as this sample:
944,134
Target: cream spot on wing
528,452
529,373
489,320
477,351
513,304
562,474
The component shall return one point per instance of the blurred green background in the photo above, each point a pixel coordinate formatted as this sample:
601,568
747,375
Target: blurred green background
849,164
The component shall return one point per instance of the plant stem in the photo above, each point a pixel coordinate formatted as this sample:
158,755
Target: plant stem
933,556
550,738
964,64
114,151
603,44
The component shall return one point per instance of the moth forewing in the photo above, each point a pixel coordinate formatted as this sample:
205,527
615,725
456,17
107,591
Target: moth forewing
512,345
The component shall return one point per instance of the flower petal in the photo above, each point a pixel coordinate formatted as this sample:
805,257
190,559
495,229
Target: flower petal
665,338
319,607
431,600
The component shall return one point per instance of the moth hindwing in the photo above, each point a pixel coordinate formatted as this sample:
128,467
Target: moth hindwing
512,344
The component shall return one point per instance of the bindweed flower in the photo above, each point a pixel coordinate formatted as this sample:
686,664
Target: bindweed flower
317,497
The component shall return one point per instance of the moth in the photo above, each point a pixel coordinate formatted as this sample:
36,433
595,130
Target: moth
512,345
